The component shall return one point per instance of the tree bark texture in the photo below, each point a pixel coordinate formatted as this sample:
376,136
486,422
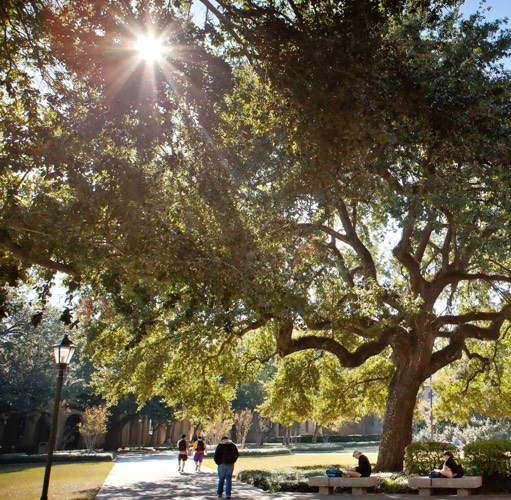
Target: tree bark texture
397,425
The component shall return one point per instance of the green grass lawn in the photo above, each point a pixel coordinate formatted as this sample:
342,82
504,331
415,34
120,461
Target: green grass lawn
80,481
283,461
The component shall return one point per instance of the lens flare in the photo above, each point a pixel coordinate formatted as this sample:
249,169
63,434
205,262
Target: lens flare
149,48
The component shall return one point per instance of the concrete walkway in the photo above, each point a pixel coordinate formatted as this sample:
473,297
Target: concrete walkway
156,476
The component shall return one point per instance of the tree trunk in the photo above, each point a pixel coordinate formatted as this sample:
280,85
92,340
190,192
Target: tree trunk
397,425
317,428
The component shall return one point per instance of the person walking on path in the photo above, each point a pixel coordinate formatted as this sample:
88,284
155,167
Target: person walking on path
183,447
200,450
226,454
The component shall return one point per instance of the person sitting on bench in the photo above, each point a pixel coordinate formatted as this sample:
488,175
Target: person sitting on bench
363,469
451,468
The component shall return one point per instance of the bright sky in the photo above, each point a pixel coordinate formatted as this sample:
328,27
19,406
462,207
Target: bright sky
499,9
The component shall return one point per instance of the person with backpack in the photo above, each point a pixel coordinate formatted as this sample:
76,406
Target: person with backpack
200,450
183,447
226,454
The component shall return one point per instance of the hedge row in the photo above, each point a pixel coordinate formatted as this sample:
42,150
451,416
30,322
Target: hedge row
17,458
255,452
296,479
354,438
484,458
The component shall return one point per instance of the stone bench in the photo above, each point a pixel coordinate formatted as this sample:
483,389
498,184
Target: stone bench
464,485
358,485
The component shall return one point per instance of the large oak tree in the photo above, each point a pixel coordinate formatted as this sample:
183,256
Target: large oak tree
292,177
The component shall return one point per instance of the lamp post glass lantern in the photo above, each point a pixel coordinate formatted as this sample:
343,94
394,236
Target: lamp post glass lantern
63,351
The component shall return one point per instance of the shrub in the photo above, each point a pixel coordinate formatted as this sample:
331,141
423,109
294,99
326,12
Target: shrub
478,429
254,452
391,482
280,480
488,458
297,479
422,458
335,438
95,420
58,457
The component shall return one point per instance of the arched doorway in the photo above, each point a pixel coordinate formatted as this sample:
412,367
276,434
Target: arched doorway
14,426
71,436
42,431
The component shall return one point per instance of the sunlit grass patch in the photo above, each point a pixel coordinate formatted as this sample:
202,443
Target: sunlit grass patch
80,481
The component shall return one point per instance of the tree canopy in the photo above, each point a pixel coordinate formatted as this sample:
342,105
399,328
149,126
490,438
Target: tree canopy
290,178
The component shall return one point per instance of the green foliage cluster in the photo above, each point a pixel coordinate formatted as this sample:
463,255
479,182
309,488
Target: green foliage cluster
296,479
290,479
488,458
422,458
27,365
477,429
217,194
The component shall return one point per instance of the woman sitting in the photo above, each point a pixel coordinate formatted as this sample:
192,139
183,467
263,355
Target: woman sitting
451,468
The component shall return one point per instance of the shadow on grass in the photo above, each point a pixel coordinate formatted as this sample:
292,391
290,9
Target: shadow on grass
10,468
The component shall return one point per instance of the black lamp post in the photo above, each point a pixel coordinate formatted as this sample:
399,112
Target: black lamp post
63,350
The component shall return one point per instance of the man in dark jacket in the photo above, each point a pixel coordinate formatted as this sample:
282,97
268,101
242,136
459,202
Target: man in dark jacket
226,454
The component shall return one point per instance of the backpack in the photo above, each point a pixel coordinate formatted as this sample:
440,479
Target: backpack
200,445
181,445
334,472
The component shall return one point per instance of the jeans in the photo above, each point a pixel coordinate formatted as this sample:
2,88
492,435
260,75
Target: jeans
225,475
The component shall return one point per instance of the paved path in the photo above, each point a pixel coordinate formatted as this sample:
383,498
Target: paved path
156,476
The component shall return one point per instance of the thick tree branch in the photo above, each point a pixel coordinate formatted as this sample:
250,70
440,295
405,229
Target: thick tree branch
394,337
445,279
328,230
25,256
466,318
402,252
363,253
465,257
296,12
426,236
229,26
450,236
344,271
454,350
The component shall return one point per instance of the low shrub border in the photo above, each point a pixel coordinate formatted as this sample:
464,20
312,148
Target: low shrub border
18,458
295,479
353,438
262,452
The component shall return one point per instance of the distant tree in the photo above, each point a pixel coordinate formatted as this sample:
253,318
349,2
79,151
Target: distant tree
217,427
95,420
27,363
243,422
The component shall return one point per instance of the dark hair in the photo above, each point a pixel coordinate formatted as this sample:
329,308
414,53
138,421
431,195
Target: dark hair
183,436
450,454
225,437
200,437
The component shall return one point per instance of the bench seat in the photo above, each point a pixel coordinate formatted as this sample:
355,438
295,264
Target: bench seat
464,485
358,485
